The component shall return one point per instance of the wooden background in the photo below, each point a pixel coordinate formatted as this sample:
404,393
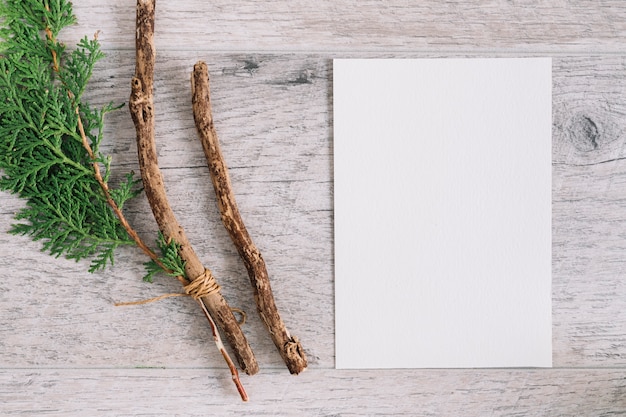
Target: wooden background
65,350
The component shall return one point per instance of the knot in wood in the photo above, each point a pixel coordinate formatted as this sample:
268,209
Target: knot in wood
585,133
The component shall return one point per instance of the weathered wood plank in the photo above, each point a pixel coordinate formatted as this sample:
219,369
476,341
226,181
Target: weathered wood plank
588,211
328,25
200,392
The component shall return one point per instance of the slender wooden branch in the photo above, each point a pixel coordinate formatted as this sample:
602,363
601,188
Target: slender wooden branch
289,346
142,112
107,194
222,349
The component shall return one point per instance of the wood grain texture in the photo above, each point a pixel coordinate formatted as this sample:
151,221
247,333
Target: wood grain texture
66,351
428,393
588,190
329,25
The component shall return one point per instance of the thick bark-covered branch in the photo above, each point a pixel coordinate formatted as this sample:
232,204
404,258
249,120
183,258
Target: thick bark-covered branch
141,105
289,346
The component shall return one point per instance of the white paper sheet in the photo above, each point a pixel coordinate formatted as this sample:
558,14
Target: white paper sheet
442,213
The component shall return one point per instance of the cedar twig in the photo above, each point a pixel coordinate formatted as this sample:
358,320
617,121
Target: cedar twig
107,194
289,346
104,186
142,112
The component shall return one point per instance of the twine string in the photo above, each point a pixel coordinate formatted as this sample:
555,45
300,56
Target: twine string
150,300
204,285
243,314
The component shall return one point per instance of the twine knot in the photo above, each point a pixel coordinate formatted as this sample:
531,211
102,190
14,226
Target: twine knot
202,286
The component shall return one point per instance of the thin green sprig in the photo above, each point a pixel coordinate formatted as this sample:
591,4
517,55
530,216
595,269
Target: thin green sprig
170,260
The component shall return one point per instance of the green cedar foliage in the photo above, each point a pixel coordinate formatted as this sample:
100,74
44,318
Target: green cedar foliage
170,259
42,157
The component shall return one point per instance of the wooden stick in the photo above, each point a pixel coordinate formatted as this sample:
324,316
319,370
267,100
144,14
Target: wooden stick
222,349
141,106
289,346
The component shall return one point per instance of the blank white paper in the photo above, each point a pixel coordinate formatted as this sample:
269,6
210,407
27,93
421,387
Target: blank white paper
442,171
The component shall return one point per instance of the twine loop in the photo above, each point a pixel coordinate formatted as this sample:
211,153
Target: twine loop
202,286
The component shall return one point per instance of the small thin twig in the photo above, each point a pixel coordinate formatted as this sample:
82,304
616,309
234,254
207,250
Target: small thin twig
142,111
107,194
222,349
289,346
